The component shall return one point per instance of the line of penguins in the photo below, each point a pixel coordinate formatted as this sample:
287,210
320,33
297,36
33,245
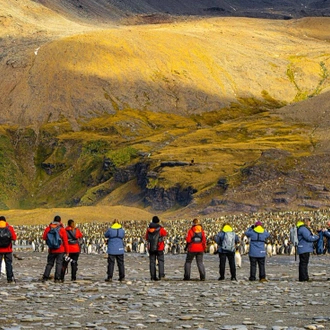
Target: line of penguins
278,224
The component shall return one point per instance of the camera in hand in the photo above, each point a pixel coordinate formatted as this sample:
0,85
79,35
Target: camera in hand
68,259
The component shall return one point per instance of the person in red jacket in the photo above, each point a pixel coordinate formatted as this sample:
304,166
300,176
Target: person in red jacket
58,253
74,236
157,233
6,247
196,244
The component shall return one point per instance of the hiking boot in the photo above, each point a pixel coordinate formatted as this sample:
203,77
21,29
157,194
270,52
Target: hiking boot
121,279
263,280
186,279
221,278
10,281
202,279
108,279
155,279
233,279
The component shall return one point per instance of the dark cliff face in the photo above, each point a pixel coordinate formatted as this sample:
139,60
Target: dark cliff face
161,199
158,198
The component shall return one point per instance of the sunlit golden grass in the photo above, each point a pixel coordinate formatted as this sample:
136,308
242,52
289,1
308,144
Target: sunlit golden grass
79,214
185,68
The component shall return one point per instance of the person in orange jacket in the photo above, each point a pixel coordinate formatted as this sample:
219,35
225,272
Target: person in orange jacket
74,235
196,245
157,233
6,247
56,254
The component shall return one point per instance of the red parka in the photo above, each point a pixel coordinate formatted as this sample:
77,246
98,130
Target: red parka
74,248
194,246
9,248
64,248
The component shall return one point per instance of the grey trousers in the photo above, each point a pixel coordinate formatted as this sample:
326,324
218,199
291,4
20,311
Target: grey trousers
200,265
159,255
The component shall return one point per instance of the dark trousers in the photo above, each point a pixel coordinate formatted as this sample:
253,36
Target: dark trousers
253,268
8,257
74,266
159,256
52,257
231,259
303,266
120,263
200,265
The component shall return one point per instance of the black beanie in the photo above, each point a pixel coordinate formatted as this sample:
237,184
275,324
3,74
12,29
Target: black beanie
155,219
2,218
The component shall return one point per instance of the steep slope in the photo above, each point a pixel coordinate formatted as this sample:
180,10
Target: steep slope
163,116
183,68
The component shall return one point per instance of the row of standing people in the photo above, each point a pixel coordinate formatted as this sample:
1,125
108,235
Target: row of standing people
227,241
69,249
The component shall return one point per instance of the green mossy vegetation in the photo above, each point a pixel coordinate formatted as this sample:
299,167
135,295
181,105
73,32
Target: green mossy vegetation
69,164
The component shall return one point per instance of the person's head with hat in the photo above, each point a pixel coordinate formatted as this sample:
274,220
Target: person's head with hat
258,223
155,219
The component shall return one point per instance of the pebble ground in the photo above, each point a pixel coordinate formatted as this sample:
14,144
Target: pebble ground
138,303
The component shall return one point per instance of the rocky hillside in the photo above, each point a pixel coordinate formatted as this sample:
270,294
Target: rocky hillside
169,106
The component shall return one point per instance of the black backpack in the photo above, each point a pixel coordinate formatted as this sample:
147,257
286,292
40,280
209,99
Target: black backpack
197,238
153,239
72,239
5,237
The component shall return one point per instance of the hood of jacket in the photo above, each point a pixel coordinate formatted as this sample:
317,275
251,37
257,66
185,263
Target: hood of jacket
154,225
300,223
55,224
259,229
197,228
116,226
227,229
3,224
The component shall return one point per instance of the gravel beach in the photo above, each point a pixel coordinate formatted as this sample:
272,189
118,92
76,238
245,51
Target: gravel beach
92,303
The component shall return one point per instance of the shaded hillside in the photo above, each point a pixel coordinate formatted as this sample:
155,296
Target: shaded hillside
148,10
193,114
